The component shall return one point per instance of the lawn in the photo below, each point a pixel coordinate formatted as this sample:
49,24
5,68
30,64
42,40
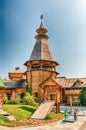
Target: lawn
19,111
3,120
53,115
25,111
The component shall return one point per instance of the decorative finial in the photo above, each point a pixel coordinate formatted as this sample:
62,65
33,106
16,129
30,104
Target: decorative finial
41,17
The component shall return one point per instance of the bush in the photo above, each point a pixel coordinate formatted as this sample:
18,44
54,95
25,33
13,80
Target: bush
28,100
6,101
15,101
37,99
53,115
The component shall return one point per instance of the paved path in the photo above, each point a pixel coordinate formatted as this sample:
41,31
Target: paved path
80,124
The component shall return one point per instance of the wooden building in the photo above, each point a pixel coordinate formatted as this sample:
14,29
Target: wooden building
42,75
17,74
41,67
14,88
11,88
70,88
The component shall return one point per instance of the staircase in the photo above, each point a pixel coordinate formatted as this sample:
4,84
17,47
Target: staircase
43,110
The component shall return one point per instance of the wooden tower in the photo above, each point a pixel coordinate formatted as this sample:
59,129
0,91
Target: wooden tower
41,65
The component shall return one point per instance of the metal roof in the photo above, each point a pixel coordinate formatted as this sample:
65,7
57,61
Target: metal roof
16,84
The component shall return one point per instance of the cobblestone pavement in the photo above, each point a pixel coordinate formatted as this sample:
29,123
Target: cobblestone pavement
80,124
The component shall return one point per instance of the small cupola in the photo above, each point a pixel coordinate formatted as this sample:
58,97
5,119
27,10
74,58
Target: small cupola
41,31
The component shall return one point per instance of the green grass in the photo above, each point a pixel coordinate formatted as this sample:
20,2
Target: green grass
53,115
3,120
19,111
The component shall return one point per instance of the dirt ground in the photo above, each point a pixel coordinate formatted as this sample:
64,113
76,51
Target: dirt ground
30,122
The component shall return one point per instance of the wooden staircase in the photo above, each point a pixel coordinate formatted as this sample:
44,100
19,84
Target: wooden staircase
43,110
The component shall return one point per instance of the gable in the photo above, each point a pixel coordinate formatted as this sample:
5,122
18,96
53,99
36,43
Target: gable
49,82
77,84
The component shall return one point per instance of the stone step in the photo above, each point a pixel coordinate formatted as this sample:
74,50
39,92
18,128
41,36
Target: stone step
7,115
11,118
4,113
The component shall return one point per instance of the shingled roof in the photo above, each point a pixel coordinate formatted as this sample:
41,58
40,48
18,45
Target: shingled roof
70,82
41,51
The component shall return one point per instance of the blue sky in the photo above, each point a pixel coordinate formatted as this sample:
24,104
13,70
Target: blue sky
66,24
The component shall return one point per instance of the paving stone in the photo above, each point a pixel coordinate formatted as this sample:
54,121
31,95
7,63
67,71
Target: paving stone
11,118
4,113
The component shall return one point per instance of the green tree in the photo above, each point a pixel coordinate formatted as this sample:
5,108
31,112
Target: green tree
82,96
29,89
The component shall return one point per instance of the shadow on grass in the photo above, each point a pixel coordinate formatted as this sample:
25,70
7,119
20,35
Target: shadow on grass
27,109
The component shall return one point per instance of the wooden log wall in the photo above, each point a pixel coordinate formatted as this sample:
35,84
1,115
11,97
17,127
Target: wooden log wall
69,93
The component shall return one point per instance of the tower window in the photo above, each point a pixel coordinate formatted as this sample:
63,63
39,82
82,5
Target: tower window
35,67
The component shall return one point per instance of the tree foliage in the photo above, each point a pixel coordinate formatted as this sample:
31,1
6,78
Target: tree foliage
6,101
29,89
82,96
26,99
